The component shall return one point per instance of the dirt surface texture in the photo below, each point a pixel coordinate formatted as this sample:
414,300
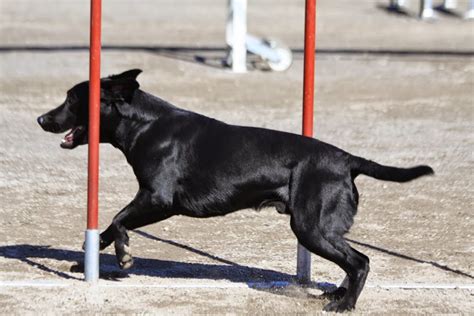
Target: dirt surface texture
389,87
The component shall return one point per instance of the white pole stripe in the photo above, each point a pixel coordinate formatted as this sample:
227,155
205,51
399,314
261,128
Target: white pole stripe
91,262
236,33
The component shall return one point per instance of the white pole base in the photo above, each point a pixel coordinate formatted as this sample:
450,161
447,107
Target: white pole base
303,265
397,4
401,3
91,262
450,4
427,12
469,15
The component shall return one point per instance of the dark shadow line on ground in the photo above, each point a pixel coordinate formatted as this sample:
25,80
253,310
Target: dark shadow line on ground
48,269
109,270
186,247
399,255
401,11
394,10
447,12
170,51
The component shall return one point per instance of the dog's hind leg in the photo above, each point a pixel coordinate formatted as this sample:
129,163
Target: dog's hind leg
338,293
334,248
322,207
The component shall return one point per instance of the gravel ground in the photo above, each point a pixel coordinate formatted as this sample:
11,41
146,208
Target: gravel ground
399,109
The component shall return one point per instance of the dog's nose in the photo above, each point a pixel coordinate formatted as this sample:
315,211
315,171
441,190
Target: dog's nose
40,120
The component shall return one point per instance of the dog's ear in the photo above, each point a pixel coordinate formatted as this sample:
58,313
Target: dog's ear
129,74
119,93
118,89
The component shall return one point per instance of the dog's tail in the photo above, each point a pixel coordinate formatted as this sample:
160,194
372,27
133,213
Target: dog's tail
372,169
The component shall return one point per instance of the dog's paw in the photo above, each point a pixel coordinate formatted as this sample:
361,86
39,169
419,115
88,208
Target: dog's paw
335,295
338,307
124,258
126,262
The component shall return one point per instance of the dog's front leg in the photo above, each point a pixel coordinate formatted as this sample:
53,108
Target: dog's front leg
120,236
117,231
122,249
106,238
140,212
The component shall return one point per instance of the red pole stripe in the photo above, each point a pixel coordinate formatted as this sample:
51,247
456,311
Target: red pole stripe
308,80
94,116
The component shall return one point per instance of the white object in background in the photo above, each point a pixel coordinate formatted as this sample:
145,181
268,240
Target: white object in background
450,4
277,56
401,3
470,12
398,4
426,10
236,32
91,262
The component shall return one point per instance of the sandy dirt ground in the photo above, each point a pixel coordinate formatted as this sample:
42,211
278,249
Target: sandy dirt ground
399,107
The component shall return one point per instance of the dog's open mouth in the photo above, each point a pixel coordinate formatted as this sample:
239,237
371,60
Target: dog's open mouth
74,133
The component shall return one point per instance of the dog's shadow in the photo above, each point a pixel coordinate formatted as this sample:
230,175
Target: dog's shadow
70,262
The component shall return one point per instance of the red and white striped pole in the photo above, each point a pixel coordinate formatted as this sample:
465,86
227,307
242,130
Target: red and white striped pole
91,265
303,267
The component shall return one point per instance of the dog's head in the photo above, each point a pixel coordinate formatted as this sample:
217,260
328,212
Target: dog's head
73,114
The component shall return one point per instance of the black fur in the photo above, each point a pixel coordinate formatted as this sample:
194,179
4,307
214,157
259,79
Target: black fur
189,164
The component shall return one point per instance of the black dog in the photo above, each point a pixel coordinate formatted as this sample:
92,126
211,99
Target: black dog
189,164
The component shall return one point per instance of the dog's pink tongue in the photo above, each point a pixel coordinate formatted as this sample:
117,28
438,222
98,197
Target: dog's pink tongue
69,137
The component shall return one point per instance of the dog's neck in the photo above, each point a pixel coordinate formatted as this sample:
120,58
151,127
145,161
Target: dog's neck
126,128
